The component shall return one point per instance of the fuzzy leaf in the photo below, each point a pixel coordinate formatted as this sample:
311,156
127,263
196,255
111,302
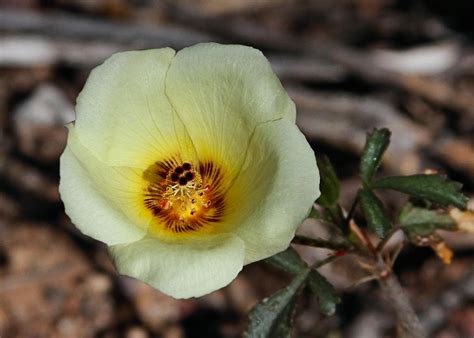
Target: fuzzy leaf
324,291
272,317
329,184
374,212
375,146
435,188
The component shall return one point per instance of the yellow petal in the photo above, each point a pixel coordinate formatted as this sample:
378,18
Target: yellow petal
121,186
182,270
92,212
123,115
201,143
221,93
275,189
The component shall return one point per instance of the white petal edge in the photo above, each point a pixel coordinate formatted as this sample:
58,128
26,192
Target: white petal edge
88,209
182,270
122,186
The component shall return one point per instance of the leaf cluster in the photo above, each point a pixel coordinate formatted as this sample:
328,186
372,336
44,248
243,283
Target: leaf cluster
424,214
272,317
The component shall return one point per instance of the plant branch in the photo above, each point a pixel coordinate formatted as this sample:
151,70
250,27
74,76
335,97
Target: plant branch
319,243
325,261
398,300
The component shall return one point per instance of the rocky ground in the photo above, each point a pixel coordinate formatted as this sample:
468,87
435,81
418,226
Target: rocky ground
349,65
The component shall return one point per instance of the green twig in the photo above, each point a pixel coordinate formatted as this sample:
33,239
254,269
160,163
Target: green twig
320,243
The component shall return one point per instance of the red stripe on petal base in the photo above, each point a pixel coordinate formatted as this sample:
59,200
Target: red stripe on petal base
183,197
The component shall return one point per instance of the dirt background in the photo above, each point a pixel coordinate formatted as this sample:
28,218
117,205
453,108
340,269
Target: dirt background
350,65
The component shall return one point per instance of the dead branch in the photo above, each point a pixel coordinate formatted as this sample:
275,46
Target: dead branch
355,61
76,27
458,153
28,179
343,120
31,50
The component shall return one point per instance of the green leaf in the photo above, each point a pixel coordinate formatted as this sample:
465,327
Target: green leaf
374,212
435,188
376,144
417,222
329,184
272,317
324,291
289,261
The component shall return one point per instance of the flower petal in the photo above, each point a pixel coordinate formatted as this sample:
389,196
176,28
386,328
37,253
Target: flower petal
123,186
221,93
93,214
123,115
182,270
275,189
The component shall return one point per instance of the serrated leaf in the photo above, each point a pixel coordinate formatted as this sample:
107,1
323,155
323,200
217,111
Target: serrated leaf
272,317
435,188
324,291
420,226
422,222
374,212
329,184
288,260
375,146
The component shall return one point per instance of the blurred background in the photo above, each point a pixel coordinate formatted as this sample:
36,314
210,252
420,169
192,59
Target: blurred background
350,65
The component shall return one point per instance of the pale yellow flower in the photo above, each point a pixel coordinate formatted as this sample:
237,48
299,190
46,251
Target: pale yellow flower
187,165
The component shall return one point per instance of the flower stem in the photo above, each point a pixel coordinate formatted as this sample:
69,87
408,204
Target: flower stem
398,299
